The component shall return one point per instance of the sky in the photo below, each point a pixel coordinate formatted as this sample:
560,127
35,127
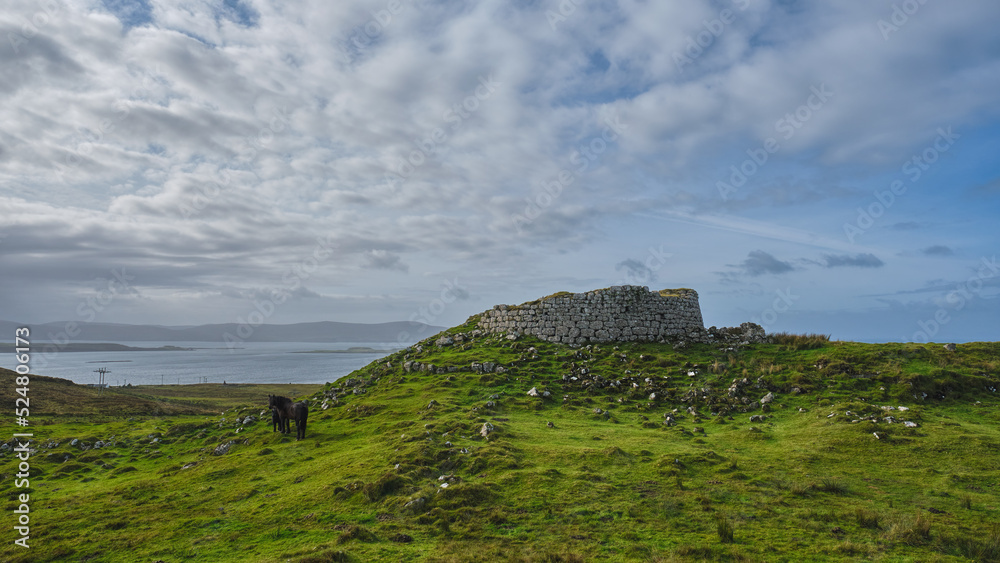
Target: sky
816,167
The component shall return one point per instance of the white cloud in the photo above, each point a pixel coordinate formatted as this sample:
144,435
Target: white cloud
212,147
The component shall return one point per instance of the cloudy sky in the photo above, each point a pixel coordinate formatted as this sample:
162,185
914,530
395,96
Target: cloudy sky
812,166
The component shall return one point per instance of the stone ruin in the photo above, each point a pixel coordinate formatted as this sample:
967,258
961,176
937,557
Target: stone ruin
617,314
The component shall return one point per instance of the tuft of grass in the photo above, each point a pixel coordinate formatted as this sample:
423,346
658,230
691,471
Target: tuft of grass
724,529
799,489
867,518
834,486
854,549
908,531
800,341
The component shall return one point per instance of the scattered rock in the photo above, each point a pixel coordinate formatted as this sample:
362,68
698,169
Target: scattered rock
533,392
909,424
432,404
950,347
444,341
223,448
757,418
767,398
486,429
416,503
550,425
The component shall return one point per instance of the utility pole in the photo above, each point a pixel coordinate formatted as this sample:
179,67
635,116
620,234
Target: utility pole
102,372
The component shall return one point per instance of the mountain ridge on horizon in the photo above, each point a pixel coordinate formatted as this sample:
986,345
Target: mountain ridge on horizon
314,331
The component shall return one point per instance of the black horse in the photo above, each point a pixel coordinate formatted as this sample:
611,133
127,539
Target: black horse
276,420
301,411
283,409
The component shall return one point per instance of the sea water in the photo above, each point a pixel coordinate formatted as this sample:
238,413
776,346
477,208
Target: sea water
207,362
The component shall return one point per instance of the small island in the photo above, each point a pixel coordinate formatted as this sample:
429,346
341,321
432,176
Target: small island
351,350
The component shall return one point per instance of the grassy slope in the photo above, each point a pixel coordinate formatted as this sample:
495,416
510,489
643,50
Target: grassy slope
618,485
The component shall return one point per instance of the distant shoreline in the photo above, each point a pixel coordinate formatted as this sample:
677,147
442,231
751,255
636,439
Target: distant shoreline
94,347
351,350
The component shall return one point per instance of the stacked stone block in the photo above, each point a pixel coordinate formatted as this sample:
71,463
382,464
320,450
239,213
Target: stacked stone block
617,314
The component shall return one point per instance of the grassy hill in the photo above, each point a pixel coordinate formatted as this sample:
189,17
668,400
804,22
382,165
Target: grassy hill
629,452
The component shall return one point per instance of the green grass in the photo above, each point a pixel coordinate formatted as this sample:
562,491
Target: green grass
615,484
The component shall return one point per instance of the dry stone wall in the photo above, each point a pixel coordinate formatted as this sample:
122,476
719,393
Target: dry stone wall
617,314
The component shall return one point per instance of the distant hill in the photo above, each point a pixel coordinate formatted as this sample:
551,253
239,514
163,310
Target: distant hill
325,331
